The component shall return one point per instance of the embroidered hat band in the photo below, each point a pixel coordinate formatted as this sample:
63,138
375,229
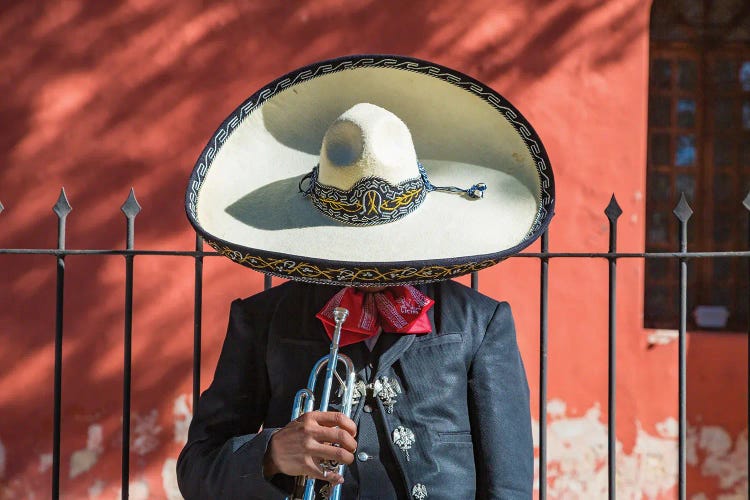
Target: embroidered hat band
373,200
370,201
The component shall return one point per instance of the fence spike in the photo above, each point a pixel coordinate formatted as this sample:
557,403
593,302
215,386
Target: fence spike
745,202
683,210
131,208
62,208
613,210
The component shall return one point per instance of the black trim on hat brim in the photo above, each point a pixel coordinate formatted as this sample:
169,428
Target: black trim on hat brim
523,128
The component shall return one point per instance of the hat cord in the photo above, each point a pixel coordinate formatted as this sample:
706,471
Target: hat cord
475,191
311,176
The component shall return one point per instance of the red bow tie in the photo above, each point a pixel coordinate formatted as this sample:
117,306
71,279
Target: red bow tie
398,309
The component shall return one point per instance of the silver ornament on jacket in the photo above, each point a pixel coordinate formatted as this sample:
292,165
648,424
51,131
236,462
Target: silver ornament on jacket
419,492
403,437
387,390
384,388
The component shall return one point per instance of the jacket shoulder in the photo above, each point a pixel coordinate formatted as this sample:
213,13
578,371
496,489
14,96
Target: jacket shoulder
455,292
275,294
459,308
284,299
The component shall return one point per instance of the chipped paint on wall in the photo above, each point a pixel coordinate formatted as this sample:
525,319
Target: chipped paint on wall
169,480
146,431
576,453
711,448
45,462
96,489
661,337
556,408
577,460
650,471
182,416
83,460
577,457
138,490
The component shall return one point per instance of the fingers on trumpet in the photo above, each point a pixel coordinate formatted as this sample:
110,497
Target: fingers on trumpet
315,437
315,471
329,420
329,436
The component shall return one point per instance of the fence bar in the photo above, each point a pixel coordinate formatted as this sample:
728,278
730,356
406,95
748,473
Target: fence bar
126,374
613,212
475,280
197,319
130,208
532,255
62,208
267,281
683,213
746,204
543,335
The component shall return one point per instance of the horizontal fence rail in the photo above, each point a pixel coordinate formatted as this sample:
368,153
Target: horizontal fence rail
535,255
131,209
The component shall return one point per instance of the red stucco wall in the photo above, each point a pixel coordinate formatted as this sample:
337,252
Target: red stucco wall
102,96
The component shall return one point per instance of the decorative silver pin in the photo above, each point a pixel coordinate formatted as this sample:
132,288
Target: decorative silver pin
387,390
419,492
360,391
384,388
403,437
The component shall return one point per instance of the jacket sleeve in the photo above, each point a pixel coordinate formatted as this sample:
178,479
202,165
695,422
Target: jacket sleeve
223,457
499,412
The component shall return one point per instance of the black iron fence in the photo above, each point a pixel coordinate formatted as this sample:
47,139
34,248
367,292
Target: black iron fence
131,208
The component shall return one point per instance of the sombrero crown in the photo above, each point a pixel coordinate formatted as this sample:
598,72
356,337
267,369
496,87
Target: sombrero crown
329,175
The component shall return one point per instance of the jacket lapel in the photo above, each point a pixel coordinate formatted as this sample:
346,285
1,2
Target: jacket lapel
398,346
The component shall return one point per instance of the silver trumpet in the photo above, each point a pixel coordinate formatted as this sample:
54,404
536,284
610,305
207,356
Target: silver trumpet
304,401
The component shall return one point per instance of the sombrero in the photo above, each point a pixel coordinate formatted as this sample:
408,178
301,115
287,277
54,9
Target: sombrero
372,170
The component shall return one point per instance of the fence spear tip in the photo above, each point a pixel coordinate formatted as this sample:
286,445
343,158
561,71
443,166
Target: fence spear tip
131,208
745,202
613,210
62,208
683,210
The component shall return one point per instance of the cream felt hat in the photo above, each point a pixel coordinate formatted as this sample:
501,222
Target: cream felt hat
372,170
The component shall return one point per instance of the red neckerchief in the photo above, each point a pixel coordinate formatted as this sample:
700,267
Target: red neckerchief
397,309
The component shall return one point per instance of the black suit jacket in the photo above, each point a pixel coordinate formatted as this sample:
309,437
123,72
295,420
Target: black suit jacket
464,396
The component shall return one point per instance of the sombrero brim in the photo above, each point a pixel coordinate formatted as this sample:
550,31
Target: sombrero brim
243,197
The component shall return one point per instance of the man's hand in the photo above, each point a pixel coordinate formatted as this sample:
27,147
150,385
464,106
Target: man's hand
300,447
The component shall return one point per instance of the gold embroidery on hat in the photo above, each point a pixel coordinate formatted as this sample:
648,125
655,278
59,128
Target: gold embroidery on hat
370,201
373,202
305,271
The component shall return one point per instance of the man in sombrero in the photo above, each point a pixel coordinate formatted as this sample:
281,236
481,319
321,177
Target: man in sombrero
368,182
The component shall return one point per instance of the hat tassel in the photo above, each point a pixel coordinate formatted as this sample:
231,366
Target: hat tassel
475,191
